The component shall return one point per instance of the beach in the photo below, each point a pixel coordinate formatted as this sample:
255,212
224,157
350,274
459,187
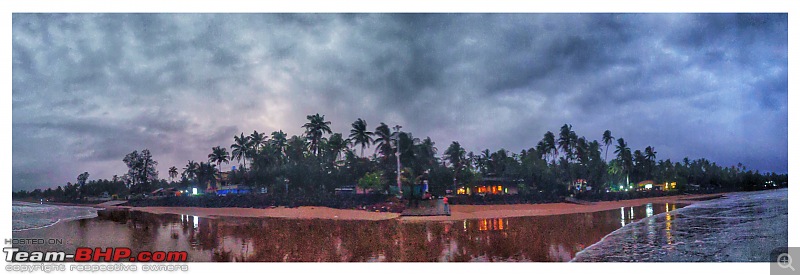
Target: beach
742,226
458,212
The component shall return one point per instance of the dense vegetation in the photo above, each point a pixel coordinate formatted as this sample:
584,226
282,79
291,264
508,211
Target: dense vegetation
306,169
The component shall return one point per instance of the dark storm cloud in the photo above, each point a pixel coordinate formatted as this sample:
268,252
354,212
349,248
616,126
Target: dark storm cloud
90,88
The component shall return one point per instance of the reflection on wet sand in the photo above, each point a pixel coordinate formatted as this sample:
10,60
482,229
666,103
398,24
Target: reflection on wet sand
538,239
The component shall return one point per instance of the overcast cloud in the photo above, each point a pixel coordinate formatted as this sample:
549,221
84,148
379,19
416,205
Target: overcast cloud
90,88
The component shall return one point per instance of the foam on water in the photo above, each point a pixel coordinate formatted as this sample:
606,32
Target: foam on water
738,227
28,216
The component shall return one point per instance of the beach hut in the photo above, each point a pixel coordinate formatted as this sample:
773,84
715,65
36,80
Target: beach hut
491,185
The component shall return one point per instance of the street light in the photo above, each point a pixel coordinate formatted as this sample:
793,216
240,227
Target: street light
397,154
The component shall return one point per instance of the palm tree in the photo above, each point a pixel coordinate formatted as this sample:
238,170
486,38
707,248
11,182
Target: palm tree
240,147
550,145
337,144
427,152
566,141
624,155
295,149
315,128
360,135
541,150
455,154
607,140
582,150
173,172
190,171
650,153
614,168
486,155
218,155
279,141
383,140
205,173
257,140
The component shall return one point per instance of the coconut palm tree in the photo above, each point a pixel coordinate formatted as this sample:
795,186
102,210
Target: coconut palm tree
257,140
190,171
279,142
336,145
295,149
383,140
582,150
607,140
240,147
360,135
205,174
550,144
650,156
624,155
650,153
566,141
427,152
541,149
486,155
455,154
173,173
218,155
315,128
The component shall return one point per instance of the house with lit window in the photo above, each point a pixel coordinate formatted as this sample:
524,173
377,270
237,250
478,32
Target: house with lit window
492,186
648,185
225,188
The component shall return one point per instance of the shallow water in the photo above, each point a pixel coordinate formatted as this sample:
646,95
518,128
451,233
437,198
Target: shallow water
30,216
741,227
538,239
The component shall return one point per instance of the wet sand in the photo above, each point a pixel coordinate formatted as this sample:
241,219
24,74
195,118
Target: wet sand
458,212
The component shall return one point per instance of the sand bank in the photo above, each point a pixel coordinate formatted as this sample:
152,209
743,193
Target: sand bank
458,212
303,212
463,212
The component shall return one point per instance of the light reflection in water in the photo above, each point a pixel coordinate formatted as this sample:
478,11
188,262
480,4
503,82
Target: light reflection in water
649,209
622,216
668,225
632,217
493,224
538,239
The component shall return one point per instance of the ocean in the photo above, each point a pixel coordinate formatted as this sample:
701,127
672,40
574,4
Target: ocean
740,227
29,216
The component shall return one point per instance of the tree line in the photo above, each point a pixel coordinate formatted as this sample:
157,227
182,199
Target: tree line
318,161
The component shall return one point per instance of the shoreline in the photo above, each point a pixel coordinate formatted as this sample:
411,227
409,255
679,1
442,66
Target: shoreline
458,212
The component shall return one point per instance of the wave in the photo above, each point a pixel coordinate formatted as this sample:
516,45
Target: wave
31,216
736,227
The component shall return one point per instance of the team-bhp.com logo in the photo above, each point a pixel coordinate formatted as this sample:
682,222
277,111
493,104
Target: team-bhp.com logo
97,254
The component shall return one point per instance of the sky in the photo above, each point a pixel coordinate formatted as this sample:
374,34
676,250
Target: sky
87,89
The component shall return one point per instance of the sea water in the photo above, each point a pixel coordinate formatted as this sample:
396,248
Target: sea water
740,227
29,216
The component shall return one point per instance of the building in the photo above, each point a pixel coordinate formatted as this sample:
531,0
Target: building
580,185
648,185
233,189
491,185
165,192
346,190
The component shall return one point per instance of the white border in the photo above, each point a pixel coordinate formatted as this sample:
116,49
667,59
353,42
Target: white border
571,6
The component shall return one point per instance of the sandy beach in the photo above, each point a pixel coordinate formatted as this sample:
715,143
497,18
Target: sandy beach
458,212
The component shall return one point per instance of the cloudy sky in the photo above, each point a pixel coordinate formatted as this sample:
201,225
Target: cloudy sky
90,88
